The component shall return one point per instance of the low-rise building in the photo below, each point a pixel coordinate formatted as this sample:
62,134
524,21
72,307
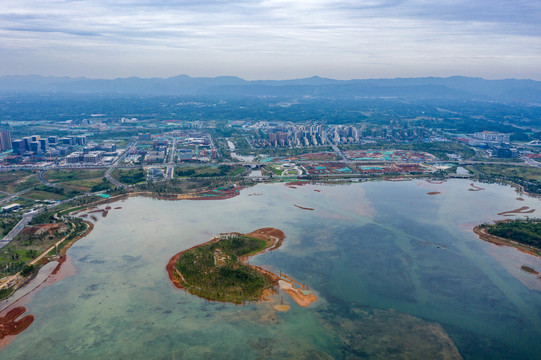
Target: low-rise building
11,207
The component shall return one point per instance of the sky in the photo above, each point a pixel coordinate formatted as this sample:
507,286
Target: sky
271,39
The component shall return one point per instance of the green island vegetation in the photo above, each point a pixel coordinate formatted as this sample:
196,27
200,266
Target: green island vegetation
528,177
527,232
214,270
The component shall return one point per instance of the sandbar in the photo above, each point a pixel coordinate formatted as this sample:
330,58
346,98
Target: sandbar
521,210
9,325
303,208
475,188
529,270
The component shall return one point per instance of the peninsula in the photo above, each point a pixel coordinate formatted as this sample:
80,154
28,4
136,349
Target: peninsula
522,234
218,269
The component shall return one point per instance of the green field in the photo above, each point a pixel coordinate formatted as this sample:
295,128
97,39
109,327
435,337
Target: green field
13,181
511,171
208,171
278,152
76,181
129,176
438,149
37,194
276,170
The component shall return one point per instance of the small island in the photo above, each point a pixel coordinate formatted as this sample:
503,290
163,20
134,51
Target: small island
522,234
218,270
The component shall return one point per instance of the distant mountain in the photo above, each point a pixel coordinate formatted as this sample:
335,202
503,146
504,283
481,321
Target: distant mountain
451,88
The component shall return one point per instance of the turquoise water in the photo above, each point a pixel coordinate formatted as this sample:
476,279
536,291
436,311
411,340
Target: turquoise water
396,272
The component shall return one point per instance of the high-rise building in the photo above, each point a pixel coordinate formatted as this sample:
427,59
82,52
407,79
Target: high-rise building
44,144
5,140
35,147
18,147
67,141
53,140
81,140
27,140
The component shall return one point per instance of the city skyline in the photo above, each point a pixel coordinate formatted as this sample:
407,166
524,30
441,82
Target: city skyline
271,39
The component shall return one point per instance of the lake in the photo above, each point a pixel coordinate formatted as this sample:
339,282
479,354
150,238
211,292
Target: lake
398,273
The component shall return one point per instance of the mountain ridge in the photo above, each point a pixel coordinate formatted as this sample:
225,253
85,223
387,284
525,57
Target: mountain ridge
452,88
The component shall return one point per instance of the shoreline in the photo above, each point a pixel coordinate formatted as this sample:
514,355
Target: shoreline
10,327
300,295
230,193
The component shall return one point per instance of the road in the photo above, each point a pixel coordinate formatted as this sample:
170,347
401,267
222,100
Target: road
170,172
43,181
172,151
12,197
18,228
531,162
249,142
115,164
337,150
111,179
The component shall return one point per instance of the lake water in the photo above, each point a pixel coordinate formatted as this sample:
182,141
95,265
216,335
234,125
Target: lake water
398,273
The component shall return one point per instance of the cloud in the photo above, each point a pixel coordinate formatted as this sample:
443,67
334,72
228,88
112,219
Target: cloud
324,36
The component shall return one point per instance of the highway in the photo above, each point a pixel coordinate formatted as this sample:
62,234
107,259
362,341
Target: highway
170,172
531,162
43,181
115,164
12,197
18,228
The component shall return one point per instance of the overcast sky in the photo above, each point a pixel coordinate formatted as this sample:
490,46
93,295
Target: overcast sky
271,39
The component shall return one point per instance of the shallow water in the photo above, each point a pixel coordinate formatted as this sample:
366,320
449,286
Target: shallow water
398,274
